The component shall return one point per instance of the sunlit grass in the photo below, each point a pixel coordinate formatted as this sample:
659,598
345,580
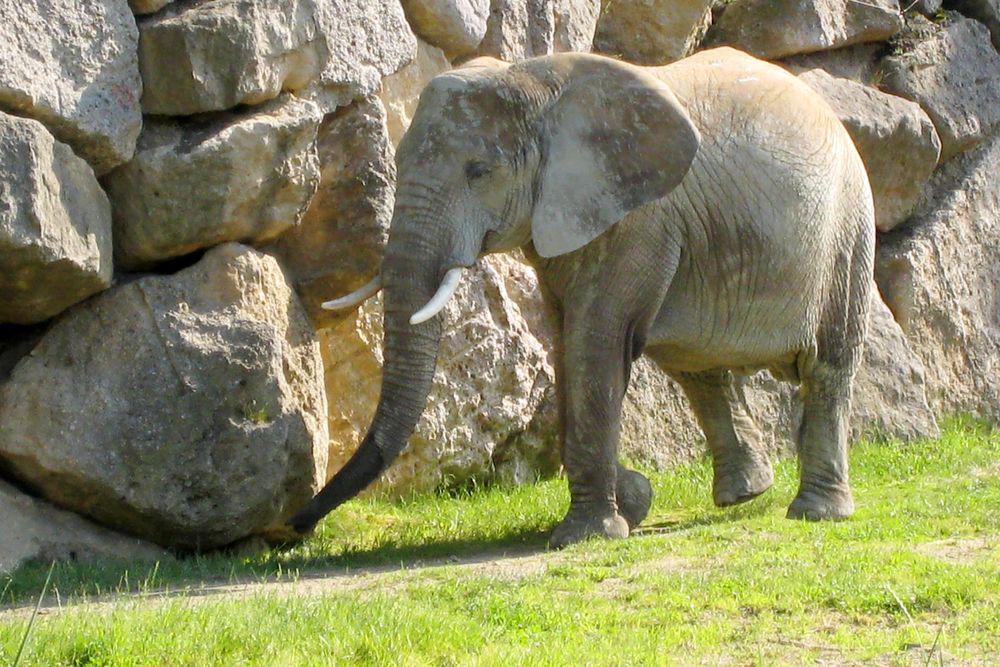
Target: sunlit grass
917,568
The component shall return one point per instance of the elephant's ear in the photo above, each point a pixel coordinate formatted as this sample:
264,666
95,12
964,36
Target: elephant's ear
615,138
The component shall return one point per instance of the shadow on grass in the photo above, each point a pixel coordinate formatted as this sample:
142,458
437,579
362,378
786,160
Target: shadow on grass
203,574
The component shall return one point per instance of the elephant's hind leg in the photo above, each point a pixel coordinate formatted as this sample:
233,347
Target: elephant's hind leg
634,494
827,376
742,470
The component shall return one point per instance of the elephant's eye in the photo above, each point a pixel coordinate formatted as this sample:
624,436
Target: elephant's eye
476,169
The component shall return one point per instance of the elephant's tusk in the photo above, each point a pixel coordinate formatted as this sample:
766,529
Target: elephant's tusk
448,286
360,295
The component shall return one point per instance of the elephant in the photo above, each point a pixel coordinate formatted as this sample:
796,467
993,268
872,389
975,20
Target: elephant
712,214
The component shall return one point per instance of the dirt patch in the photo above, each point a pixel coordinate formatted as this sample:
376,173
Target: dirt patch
961,551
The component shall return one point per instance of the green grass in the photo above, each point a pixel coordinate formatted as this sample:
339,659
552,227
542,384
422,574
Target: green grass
917,568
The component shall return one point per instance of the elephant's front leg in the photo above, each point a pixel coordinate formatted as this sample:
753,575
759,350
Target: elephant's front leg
594,376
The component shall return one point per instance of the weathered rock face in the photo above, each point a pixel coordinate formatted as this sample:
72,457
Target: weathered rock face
652,32
55,225
985,11
85,89
401,90
338,245
185,409
455,26
575,24
939,276
214,55
953,72
34,530
519,29
234,178
895,138
779,28
492,377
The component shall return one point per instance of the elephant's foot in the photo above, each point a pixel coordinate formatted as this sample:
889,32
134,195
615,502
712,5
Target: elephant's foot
822,504
634,495
583,523
733,485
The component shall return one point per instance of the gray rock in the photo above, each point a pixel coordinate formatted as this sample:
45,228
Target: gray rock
455,26
185,409
71,64
34,530
214,55
780,28
338,246
519,29
985,11
575,24
895,138
55,225
953,72
938,275
652,32
192,185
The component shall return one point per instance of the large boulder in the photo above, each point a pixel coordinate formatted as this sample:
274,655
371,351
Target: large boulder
193,185
72,65
455,26
953,72
493,376
859,62
896,140
214,55
985,11
779,28
185,409
939,274
652,32
338,245
401,90
55,225
34,530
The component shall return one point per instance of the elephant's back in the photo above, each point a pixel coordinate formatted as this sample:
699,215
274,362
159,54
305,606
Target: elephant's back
777,188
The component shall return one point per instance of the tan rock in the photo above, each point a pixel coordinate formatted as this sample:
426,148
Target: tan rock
236,177
780,28
896,140
455,26
214,55
953,72
859,62
938,274
519,29
338,246
652,32
72,65
34,530
185,409
55,225
401,90
147,6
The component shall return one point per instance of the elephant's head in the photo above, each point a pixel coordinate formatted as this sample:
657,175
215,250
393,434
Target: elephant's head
551,151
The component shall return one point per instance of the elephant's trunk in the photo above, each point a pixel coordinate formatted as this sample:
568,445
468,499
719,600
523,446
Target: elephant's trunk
410,279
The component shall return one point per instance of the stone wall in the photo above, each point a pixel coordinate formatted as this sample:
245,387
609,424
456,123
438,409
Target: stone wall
183,183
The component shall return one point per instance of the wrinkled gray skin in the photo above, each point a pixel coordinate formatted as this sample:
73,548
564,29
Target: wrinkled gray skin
712,214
